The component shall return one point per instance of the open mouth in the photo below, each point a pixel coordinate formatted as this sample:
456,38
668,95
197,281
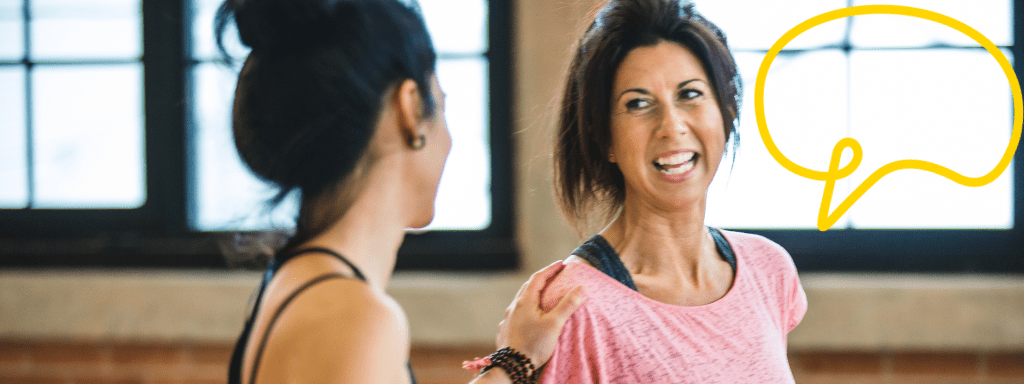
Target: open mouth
676,164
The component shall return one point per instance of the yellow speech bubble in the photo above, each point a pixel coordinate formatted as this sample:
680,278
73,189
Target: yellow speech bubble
826,220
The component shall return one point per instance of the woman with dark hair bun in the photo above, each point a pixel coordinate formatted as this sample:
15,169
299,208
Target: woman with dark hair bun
650,103
338,102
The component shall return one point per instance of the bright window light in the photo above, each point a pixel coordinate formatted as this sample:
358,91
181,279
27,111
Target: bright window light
904,88
227,197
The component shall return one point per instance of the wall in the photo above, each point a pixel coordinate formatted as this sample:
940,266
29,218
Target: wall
175,326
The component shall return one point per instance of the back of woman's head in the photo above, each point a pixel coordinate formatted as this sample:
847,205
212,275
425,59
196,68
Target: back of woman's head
585,181
311,91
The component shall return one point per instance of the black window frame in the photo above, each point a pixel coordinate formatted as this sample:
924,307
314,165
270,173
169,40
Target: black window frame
157,234
917,250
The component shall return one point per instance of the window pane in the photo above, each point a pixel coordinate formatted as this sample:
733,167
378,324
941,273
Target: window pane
950,107
226,195
992,18
88,136
97,29
12,38
456,26
806,112
756,25
229,197
204,43
13,170
464,197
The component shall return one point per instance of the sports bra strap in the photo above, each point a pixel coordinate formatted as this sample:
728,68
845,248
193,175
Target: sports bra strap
235,369
280,309
724,248
603,256
282,259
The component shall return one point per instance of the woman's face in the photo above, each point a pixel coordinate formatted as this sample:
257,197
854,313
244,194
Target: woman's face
432,157
666,127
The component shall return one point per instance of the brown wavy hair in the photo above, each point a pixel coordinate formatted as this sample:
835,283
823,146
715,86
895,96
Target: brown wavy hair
585,181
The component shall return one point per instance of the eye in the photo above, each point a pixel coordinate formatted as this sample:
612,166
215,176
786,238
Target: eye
637,104
690,94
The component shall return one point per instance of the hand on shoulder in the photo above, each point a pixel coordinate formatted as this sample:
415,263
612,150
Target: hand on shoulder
531,329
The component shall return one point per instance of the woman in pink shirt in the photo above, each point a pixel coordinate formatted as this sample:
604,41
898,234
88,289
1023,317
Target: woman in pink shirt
650,103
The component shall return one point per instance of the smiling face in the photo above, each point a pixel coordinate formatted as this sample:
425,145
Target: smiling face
666,128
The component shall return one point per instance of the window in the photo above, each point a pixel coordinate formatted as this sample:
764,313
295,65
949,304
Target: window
225,192
904,88
117,183
54,160
113,137
54,69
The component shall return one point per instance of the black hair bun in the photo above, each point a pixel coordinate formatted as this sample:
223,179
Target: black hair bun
310,92
277,24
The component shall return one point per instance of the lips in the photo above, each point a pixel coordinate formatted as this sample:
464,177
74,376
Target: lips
676,163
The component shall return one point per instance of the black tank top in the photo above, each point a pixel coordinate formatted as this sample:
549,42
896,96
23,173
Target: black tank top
235,369
602,256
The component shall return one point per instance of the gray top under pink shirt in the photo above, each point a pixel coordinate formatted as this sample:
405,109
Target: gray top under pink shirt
621,336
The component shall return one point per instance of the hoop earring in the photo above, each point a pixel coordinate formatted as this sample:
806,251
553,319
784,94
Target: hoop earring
418,142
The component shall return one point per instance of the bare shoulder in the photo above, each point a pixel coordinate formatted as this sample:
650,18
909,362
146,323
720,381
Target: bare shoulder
341,330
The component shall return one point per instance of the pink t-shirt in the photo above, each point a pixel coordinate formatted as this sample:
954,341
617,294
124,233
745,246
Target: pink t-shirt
621,336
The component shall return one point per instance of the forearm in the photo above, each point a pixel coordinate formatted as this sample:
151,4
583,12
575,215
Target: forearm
493,376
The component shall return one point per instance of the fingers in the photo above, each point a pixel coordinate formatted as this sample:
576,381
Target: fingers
540,279
498,338
569,303
522,288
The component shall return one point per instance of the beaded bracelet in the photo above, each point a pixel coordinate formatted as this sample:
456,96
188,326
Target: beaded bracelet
519,368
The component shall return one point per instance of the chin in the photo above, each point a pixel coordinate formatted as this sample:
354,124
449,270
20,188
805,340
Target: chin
423,220
683,201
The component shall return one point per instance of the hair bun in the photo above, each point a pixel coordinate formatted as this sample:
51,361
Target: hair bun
267,24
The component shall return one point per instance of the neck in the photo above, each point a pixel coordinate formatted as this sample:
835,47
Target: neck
372,229
654,241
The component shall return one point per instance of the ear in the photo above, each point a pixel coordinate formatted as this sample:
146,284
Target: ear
410,108
611,156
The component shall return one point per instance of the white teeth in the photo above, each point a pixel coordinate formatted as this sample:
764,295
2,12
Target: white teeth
677,170
676,159
676,164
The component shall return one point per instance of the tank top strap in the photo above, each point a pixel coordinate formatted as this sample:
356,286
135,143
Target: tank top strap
602,256
284,258
724,248
277,314
235,367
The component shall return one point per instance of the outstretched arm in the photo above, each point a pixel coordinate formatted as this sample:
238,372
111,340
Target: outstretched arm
527,328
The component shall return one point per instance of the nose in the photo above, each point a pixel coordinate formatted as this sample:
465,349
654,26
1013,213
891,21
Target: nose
672,122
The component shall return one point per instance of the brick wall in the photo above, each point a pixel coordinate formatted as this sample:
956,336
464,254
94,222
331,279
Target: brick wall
907,367
88,363
32,362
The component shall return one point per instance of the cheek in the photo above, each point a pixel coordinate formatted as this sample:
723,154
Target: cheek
714,132
627,140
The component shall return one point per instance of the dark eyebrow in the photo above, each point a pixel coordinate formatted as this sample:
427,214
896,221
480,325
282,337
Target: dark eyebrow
683,84
637,90
645,92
